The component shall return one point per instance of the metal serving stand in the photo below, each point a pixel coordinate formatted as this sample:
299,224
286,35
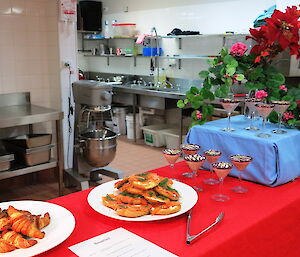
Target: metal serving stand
17,111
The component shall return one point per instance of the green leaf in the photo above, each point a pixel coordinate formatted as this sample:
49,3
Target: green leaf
195,105
293,106
229,59
203,74
230,71
240,77
180,104
224,52
194,90
186,101
287,98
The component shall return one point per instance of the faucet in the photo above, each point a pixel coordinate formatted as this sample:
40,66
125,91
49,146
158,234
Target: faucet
154,61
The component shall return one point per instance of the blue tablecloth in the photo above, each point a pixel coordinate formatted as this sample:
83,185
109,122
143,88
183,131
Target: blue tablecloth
276,160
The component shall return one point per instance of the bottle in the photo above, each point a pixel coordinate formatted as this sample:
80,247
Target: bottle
113,28
106,30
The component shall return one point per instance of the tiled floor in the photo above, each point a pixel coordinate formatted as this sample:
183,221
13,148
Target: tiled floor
130,158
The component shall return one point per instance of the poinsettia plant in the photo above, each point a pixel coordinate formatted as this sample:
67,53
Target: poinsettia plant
254,70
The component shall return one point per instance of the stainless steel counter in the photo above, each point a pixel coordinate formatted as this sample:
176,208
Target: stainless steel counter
159,92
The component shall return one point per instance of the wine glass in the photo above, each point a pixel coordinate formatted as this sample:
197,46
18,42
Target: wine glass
222,169
264,110
171,156
250,103
229,105
212,156
194,162
280,107
240,162
189,149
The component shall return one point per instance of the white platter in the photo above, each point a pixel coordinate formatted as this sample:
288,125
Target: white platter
188,199
60,228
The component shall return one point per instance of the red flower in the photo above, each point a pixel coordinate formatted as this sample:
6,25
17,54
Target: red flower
298,103
287,116
198,115
280,32
283,87
238,49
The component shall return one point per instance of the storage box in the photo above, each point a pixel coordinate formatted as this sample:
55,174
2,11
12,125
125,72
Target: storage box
172,137
30,156
5,159
124,30
153,135
152,51
30,140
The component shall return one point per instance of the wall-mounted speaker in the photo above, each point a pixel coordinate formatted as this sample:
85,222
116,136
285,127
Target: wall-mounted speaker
90,16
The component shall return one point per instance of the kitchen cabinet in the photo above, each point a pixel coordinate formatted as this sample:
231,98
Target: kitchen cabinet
16,110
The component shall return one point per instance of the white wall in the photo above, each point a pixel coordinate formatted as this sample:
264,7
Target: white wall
208,17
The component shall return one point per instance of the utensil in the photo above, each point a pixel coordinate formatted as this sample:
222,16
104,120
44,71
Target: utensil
190,238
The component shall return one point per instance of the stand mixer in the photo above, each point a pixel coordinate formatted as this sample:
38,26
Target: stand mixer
94,144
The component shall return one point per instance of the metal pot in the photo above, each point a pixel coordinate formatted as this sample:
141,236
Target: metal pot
99,147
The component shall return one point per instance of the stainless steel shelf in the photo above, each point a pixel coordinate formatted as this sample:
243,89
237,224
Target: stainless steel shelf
13,173
25,114
182,57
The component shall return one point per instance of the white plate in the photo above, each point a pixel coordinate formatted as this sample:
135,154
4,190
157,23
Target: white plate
60,228
188,199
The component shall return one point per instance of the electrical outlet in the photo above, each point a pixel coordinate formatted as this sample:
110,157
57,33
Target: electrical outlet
105,9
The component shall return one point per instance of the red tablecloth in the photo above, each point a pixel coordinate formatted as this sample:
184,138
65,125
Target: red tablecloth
263,222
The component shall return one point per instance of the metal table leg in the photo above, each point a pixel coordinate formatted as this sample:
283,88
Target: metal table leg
60,158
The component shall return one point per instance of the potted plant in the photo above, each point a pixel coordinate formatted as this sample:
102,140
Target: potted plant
255,70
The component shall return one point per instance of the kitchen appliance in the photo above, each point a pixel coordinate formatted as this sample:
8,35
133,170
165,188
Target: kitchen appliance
94,144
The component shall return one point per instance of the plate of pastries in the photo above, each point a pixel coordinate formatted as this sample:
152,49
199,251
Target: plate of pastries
28,228
142,197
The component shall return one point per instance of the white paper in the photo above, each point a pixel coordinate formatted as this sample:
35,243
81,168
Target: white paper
118,243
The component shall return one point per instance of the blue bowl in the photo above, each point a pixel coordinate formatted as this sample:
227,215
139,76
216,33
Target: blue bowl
152,51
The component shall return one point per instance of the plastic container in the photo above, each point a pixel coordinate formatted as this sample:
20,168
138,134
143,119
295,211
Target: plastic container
152,51
120,118
129,126
172,138
153,135
124,29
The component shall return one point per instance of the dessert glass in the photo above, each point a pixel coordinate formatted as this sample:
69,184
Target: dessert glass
189,149
212,156
250,103
280,107
221,169
240,162
229,105
264,110
194,162
171,156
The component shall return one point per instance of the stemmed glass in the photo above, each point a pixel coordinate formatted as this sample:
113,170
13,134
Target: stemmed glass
280,107
189,149
240,162
171,156
264,110
229,105
222,169
194,162
250,103
212,156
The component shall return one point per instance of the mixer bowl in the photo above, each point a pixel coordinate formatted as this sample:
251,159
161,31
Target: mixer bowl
99,147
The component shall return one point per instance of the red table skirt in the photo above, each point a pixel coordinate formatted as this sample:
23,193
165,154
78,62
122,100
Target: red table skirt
262,222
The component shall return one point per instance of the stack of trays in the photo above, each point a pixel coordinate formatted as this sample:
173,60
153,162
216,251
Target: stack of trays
30,149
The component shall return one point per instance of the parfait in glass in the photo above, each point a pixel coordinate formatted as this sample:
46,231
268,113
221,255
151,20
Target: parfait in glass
212,156
280,107
194,162
171,156
229,105
221,169
240,162
189,149
250,103
264,110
